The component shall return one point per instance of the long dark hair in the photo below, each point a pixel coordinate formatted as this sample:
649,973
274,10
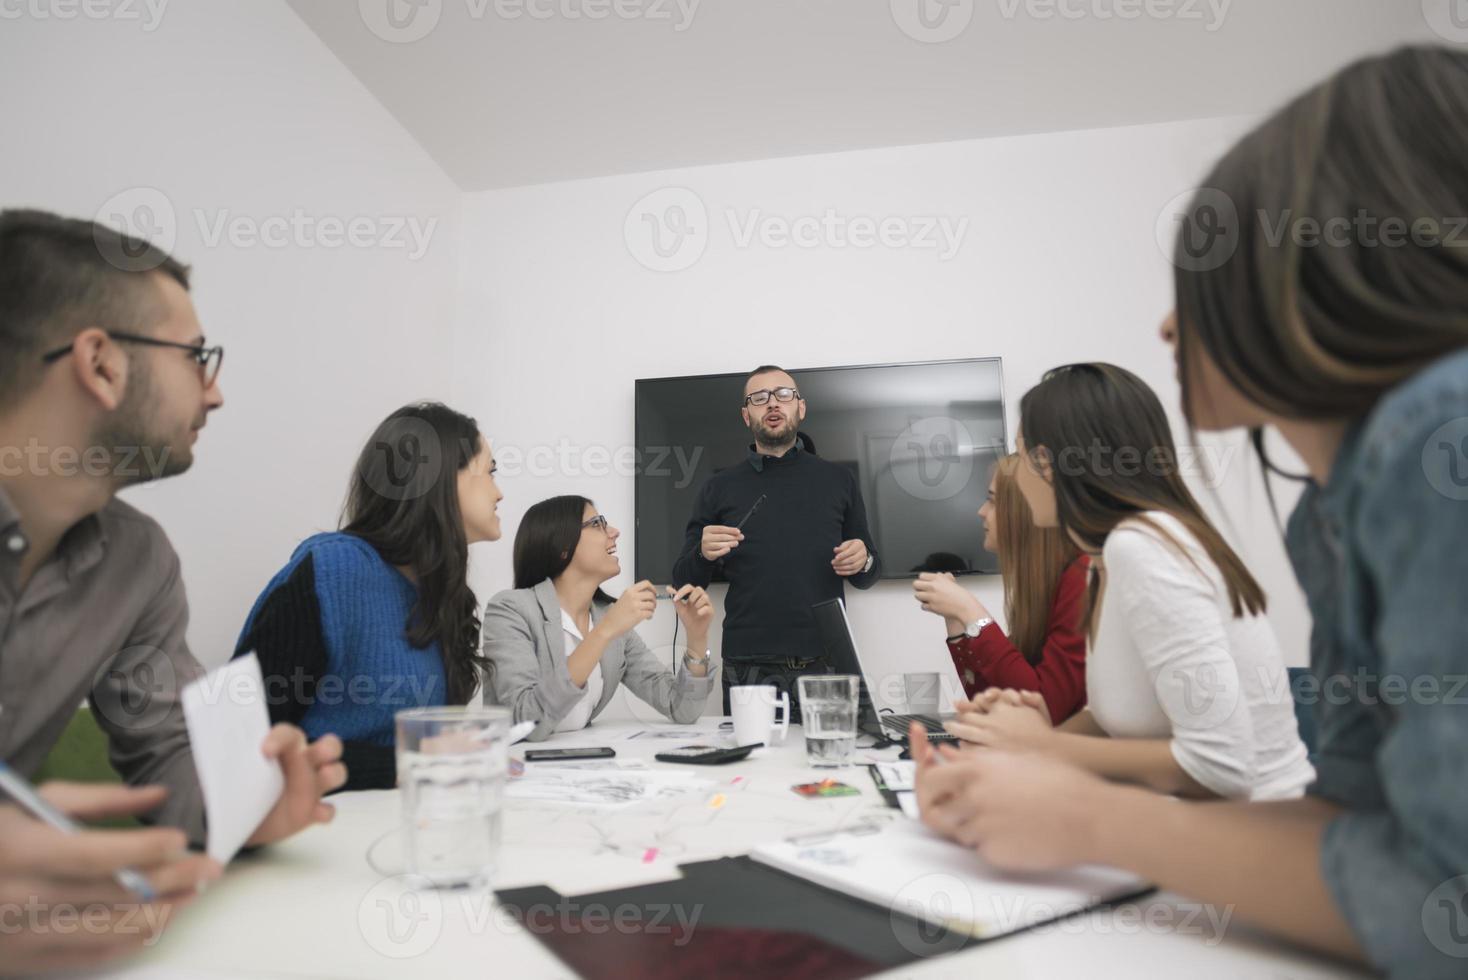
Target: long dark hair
404,501
1321,330
547,539
1105,438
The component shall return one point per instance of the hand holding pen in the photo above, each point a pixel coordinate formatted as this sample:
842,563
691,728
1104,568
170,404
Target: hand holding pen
125,884
718,539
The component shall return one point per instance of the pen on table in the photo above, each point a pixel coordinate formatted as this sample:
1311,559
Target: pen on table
25,795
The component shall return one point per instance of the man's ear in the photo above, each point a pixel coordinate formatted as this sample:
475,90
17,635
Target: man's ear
100,367
744,414
802,410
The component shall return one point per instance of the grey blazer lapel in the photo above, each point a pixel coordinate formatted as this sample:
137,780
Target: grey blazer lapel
613,666
550,612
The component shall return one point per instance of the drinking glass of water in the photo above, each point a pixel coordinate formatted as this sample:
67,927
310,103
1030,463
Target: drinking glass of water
452,766
828,715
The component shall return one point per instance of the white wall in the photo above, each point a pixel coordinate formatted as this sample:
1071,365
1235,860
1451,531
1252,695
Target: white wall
1060,263
234,109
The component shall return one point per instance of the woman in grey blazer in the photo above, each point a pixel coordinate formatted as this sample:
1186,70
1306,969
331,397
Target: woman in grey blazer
558,646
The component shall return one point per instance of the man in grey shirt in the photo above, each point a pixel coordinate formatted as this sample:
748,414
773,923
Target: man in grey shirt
105,381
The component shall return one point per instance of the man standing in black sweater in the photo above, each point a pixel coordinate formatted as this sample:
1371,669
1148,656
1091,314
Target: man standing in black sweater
808,534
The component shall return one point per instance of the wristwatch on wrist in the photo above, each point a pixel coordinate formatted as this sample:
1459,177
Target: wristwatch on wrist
973,629
689,660
871,560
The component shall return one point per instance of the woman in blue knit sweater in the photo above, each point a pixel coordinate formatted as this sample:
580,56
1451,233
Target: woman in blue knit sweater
378,617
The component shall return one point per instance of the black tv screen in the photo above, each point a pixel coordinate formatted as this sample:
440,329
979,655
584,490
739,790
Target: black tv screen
922,440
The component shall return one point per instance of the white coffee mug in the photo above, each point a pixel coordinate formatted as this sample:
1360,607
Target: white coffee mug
753,707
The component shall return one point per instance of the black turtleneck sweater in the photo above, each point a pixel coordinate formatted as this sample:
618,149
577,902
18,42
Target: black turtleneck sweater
783,565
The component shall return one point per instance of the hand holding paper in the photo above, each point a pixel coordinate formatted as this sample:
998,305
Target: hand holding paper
260,784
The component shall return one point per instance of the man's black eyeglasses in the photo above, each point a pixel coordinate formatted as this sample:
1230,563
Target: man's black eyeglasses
210,359
762,397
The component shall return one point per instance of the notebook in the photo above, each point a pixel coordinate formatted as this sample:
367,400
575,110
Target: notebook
905,867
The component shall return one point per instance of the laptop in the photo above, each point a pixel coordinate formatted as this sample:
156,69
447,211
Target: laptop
840,647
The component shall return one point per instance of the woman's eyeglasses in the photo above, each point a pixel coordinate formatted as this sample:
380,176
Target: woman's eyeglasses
598,521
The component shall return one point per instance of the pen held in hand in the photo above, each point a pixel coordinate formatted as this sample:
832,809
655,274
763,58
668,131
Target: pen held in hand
750,513
16,787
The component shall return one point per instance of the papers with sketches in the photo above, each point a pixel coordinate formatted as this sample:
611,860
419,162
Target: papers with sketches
610,788
898,775
669,734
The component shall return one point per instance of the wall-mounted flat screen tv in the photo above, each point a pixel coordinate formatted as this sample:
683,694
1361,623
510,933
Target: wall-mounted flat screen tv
922,440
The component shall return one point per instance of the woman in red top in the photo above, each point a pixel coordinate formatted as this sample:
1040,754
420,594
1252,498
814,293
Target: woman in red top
1044,583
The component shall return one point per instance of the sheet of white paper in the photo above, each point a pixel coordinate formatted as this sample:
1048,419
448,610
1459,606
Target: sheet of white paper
908,802
905,867
898,775
228,722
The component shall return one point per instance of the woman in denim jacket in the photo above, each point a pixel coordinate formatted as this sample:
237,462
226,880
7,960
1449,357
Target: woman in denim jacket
1335,311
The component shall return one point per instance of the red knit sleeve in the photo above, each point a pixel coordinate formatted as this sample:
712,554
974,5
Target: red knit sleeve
1059,677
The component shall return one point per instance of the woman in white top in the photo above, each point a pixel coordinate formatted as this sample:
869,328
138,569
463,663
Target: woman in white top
1187,691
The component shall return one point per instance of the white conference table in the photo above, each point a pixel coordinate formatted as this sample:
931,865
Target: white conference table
313,907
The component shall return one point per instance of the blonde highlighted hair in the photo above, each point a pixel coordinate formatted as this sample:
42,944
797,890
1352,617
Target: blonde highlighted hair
1031,560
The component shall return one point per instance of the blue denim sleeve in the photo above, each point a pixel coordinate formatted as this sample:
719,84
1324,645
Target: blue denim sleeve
1396,864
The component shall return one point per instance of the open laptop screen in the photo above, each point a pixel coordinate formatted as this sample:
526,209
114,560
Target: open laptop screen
840,647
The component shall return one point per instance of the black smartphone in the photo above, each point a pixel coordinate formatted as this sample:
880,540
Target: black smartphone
562,755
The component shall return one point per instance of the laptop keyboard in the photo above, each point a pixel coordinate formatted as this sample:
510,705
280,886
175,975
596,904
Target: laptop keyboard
901,724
